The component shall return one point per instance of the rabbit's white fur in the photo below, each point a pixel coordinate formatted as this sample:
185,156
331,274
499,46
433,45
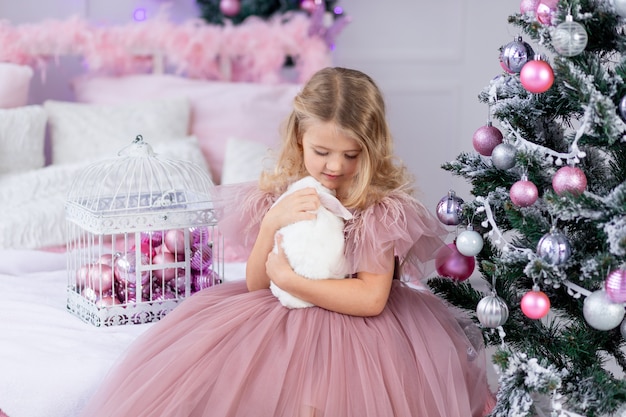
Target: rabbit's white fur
314,248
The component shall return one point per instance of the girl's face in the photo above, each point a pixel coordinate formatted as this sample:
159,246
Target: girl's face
330,156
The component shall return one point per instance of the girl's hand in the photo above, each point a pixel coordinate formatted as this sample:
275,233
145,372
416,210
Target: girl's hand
277,265
293,208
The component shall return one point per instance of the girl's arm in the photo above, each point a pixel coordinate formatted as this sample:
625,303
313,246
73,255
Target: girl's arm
365,295
294,207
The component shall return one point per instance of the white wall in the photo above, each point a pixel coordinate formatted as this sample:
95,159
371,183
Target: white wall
430,58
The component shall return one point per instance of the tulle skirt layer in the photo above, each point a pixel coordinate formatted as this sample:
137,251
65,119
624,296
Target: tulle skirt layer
229,352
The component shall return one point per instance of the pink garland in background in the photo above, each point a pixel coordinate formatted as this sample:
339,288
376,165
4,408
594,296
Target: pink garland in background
254,51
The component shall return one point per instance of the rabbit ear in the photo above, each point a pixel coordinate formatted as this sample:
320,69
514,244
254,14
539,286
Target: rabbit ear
334,206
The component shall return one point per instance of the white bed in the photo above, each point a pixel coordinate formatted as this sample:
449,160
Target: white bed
50,360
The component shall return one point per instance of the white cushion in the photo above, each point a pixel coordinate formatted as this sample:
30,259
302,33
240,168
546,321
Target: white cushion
80,132
220,110
34,214
22,137
244,160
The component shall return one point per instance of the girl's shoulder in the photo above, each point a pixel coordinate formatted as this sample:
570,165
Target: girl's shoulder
396,221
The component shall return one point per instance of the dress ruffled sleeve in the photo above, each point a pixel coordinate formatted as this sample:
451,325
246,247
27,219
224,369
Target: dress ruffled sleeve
399,222
239,209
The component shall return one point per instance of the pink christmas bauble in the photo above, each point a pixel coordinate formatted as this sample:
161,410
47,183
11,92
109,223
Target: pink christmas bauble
166,270
569,180
523,193
528,6
230,7
453,264
545,10
486,138
96,276
615,286
308,5
535,304
106,259
537,76
153,238
174,242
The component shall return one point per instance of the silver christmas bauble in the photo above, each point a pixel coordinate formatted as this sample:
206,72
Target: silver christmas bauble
554,248
515,54
503,156
492,311
622,108
600,313
622,329
569,38
450,209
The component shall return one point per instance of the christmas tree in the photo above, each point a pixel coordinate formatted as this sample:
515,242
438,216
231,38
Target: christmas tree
236,11
546,220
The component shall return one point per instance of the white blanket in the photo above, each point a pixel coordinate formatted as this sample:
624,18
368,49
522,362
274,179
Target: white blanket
50,360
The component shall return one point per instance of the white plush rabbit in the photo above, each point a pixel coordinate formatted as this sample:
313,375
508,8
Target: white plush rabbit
314,248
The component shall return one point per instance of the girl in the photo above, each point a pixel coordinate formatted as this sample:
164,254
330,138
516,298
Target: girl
371,346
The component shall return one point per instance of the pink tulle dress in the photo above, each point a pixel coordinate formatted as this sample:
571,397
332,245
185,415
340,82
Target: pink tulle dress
229,352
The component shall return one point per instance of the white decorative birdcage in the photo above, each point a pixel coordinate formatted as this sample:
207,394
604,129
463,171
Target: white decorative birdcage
142,236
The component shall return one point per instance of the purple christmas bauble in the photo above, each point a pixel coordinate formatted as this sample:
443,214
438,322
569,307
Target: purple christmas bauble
451,263
554,248
523,193
199,235
615,286
201,258
486,138
204,280
450,209
514,55
569,180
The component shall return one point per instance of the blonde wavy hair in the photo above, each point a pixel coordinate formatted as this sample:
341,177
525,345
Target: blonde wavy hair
353,102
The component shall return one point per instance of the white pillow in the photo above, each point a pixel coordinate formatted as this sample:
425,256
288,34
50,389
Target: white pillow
80,132
244,160
22,137
34,214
